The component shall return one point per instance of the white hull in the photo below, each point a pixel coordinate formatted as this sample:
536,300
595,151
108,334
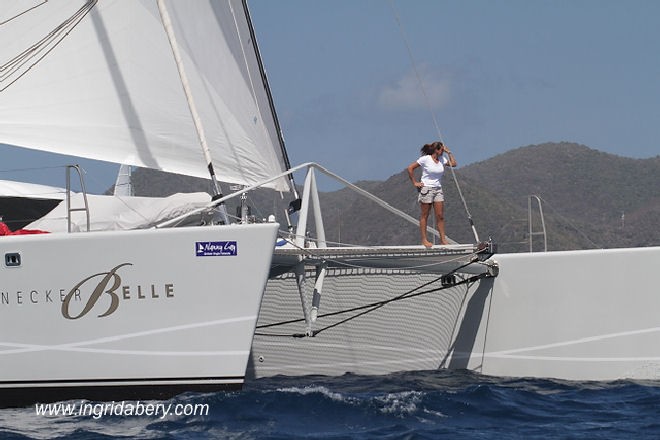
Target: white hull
582,315
590,315
166,318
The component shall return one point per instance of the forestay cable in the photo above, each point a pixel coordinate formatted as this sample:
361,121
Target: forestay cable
430,108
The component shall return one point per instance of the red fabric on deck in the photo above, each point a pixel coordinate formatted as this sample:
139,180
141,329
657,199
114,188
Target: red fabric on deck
4,230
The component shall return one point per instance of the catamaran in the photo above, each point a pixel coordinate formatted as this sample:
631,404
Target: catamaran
182,301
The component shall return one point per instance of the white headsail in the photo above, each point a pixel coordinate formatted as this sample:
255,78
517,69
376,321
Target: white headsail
98,79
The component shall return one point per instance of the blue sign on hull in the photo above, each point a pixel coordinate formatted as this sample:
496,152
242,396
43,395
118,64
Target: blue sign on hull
216,248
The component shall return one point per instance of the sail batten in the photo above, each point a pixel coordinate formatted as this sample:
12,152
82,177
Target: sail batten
110,89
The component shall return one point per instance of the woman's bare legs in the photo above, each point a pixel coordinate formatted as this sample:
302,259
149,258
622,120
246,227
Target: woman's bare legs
439,208
423,218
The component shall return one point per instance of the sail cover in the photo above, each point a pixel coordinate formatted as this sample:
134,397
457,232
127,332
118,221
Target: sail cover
10,188
98,79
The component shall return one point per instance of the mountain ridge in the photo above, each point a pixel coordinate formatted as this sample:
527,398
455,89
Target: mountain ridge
590,199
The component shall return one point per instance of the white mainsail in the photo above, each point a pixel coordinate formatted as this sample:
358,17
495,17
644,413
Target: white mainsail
97,79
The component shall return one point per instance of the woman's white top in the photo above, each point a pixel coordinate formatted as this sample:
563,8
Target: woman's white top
431,171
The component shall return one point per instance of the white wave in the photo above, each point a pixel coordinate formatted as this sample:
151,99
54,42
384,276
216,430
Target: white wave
314,389
401,403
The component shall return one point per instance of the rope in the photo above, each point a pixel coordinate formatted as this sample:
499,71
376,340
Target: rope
430,109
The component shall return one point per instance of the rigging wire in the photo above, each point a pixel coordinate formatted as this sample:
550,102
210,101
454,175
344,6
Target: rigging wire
19,170
430,109
34,54
24,12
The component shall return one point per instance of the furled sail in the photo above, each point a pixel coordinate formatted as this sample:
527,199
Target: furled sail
97,79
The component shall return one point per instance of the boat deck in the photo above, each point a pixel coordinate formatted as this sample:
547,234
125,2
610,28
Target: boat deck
440,259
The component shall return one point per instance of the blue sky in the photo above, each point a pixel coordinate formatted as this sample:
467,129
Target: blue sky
498,75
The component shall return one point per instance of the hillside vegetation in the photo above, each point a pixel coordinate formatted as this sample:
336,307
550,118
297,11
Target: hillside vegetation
590,199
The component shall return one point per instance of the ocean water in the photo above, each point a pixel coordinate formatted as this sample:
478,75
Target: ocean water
413,405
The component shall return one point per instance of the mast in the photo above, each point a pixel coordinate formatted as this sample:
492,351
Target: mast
199,127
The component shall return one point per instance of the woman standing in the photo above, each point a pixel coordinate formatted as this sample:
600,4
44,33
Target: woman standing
433,164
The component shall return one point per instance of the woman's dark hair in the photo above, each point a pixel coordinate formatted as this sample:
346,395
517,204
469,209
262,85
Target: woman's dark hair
430,148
